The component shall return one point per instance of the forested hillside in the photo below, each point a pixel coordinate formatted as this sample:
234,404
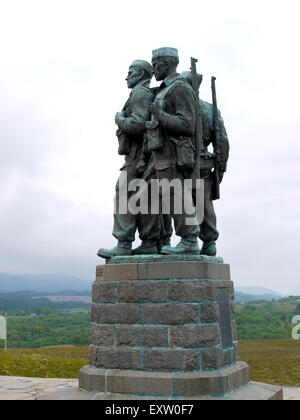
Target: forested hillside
261,319
35,322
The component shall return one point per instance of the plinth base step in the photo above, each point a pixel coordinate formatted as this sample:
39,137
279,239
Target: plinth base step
251,391
164,384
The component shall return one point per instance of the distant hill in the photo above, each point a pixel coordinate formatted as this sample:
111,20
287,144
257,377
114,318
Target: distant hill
43,283
248,293
245,297
27,302
256,290
55,283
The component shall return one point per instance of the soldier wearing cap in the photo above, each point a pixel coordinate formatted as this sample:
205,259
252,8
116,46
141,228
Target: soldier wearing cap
208,228
131,122
173,120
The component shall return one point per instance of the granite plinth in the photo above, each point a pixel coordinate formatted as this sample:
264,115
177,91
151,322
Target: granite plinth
164,326
163,316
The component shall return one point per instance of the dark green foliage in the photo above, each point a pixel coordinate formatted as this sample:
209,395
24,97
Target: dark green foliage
35,322
266,320
48,329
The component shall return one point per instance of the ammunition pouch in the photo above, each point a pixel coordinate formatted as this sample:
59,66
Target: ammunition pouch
207,161
185,152
154,136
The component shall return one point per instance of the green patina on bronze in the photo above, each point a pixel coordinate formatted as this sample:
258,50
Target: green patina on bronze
151,125
162,258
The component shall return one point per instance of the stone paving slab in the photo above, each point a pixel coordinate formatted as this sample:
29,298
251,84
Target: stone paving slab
292,393
20,388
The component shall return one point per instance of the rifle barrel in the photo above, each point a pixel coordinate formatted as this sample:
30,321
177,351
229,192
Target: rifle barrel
216,141
198,137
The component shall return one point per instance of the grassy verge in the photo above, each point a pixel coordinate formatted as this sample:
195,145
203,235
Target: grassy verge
51,362
275,362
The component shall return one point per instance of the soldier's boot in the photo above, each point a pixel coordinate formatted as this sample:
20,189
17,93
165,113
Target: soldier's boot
185,246
147,247
161,243
209,249
123,248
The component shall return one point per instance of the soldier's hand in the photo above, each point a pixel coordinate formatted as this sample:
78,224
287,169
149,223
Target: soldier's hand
118,117
157,107
141,166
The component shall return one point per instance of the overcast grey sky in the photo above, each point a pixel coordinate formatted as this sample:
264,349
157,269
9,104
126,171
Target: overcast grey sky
62,79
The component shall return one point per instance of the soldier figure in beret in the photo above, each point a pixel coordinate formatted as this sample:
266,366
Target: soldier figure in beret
173,120
131,122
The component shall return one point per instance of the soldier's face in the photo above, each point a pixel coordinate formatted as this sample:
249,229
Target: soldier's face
133,77
160,69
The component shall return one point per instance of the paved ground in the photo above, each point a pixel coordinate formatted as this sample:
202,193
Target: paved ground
16,388
292,393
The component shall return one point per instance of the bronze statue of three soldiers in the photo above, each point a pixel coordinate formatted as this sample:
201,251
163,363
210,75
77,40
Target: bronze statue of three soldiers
164,134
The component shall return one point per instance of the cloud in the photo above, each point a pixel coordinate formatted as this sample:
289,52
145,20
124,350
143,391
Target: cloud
25,140
42,233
